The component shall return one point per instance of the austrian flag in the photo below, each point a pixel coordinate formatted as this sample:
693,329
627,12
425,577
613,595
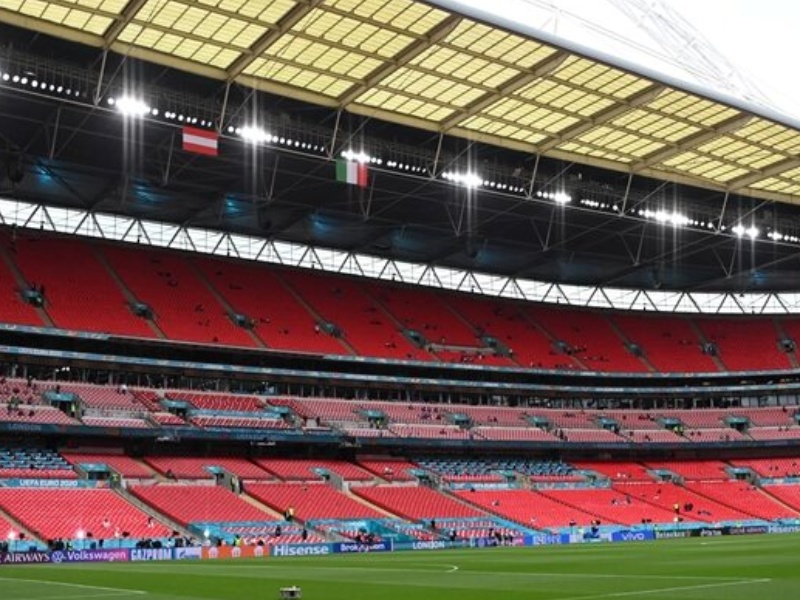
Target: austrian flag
200,141
354,173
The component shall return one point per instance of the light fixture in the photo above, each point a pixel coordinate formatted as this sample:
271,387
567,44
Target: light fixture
254,134
562,198
468,179
129,106
741,231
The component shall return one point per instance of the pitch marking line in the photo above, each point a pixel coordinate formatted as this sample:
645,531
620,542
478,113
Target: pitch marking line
683,588
111,591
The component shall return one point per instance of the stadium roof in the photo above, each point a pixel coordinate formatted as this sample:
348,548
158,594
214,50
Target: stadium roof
441,67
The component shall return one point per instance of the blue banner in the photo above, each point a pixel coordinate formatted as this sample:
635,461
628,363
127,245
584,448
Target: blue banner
99,555
348,547
139,554
633,536
280,550
24,558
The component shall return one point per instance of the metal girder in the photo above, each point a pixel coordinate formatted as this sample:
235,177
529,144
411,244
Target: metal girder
128,14
606,115
285,23
693,141
409,53
539,70
771,171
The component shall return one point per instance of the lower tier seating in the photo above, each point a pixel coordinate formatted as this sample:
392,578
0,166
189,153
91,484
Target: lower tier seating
311,501
744,497
199,503
75,513
527,507
388,469
416,502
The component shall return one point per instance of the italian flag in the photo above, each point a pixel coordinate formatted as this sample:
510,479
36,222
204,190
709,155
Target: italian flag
351,172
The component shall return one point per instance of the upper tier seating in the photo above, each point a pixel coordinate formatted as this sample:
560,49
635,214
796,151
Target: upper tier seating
426,312
505,322
364,324
75,279
311,501
279,319
12,308
185,309
199,503
416,502
51,514
191,297
590,336
669,343
191,467
299,469
746,344
122,464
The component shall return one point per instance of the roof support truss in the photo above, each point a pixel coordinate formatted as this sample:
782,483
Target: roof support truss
413,50
770,171
693,141
117,27
289,20
541,69
606,115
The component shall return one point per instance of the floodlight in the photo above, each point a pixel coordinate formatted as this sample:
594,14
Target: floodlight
254,135
129,106
359,157
469,180
561,198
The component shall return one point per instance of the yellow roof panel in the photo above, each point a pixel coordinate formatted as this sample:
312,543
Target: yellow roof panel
416,64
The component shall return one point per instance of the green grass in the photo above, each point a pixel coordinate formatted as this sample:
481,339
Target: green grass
762,567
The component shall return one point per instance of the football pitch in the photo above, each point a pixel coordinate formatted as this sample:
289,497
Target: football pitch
732,568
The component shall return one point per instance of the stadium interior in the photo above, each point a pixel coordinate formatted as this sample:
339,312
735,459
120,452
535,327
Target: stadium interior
564,298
